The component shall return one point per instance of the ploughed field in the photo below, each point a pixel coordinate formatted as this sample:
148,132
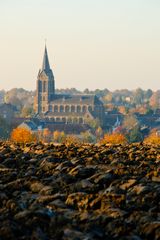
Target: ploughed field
79,192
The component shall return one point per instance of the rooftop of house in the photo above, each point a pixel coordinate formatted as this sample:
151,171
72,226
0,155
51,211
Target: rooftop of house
111,119
67,128
29,124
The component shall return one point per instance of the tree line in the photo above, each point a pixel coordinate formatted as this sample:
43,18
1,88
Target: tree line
123,101
23,136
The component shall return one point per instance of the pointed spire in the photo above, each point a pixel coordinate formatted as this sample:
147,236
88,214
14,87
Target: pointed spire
45,65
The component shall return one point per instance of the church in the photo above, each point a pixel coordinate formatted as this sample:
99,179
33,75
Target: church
61,108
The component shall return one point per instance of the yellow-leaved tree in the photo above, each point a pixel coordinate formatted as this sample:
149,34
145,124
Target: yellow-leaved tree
59,137
22,135
72,139
153,138
114,138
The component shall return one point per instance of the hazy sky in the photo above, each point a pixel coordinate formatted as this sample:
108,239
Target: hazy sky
92,44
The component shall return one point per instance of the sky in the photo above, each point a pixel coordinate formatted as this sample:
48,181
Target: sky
95,44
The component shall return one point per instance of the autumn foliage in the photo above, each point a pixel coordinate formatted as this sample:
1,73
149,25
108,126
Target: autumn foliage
46,135
114,138
72,139
22,135
59,136
153,138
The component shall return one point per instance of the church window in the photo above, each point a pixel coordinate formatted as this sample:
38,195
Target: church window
84,108
55,108
72,108
67,108
43,109
78,109
81,120
40,86
64,120
50,108
75,120
69,120
44,86
44,98
61,108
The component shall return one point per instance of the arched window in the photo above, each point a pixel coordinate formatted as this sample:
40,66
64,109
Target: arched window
44,86
81,120
55,108
69,120
40,86
78,109
84,109
64,119
61,108
50,108
72,108
66,108
75,120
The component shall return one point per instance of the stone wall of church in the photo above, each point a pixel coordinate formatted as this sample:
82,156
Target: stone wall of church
68,119
70,108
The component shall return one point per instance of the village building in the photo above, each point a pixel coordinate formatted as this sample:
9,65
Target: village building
29,125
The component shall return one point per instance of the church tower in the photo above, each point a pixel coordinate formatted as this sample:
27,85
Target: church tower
45,86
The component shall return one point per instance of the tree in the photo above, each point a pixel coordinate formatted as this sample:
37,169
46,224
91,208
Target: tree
114,138
20,98
86,91
155,100
46,135
108,97
72,139
129,122
153,138
138,96
123,109
59,136
131,128
134,135
148,93
93,123
87,137
22,135
4,128
27,111
99,133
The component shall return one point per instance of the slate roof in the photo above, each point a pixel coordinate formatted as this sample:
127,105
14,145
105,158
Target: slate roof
28,124
75,99
67,128
110,119
45,65
150,121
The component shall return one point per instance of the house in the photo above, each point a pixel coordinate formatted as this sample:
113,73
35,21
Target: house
29,125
